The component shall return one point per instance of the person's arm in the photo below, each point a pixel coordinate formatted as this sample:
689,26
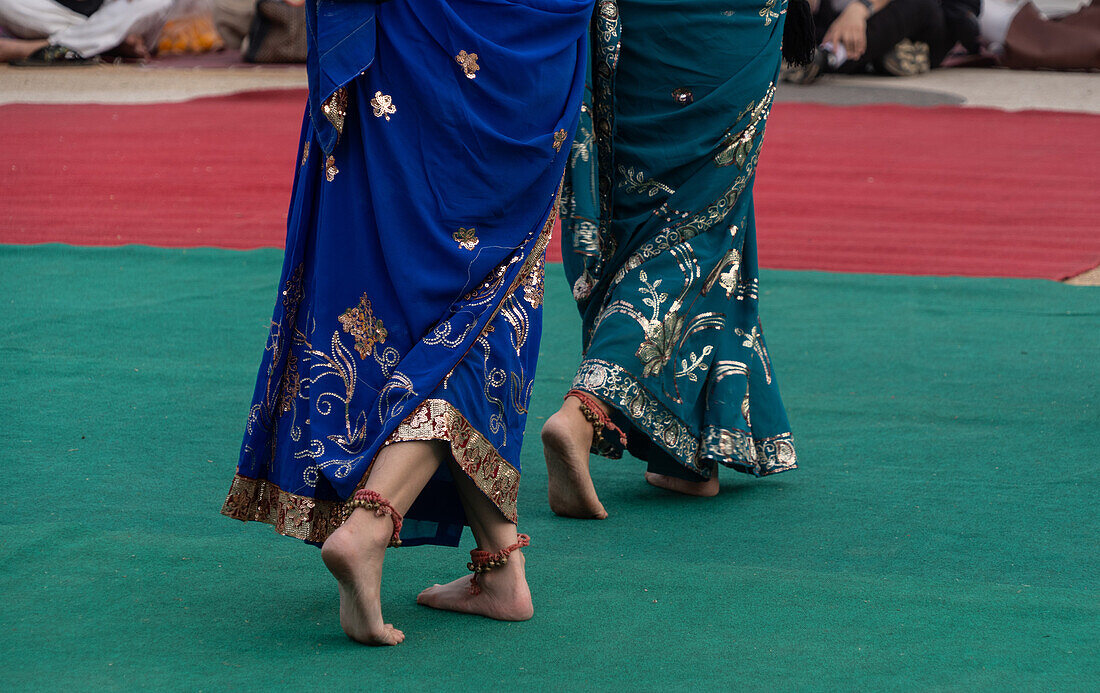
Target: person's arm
850,28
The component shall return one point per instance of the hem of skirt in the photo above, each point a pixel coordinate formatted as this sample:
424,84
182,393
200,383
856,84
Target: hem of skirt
291,514
732,448
438,419
313,520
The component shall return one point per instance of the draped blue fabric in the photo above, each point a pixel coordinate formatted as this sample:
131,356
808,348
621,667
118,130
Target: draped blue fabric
432,153
659,236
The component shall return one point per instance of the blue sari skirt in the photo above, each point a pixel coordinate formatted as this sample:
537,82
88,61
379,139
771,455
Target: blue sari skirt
659,238
409,306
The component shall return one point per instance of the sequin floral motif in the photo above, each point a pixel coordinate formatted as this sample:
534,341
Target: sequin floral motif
330,168
383,105
559,139
468,61
335,108
360,323
768,12
466,238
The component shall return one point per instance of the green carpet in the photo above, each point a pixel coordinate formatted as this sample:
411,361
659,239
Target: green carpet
942,532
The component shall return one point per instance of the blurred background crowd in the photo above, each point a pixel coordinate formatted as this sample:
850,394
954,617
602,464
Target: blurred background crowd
887,37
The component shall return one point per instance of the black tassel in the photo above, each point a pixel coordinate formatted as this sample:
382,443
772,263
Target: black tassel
799,40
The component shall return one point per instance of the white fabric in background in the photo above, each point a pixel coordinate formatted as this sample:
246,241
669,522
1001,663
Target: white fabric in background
105,29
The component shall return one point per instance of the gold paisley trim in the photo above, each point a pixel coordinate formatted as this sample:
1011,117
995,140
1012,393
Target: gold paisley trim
302,517
733,448
310,519
437,419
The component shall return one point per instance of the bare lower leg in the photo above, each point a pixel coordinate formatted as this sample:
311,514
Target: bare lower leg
355,551
503,594
17,49
706,488
566,440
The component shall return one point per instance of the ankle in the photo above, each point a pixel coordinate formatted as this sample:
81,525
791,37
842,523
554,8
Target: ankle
366,528
506,576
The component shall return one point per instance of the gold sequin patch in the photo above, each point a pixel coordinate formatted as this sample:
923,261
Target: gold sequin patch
330,168
302,517
468,61
559,139
305,152
383,105
335,108
359,322
466,238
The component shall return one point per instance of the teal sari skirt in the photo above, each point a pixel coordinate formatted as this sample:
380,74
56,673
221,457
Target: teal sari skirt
659,237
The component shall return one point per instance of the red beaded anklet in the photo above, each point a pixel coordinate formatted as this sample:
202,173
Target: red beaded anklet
596,416
372,500
483,561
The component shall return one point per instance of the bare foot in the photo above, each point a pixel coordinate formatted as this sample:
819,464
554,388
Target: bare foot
504,593
354,554
566,440
706,488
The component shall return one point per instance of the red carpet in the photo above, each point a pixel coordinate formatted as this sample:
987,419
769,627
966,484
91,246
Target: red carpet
886,189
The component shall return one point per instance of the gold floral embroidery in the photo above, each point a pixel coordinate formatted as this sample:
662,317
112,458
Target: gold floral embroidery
661,339
360,323
730,279
559,139
330,168
305,152
290,384
737,148
468,61
533,289
635,181
768,12
278,400
437,419
302,517
383,105
466,238
335,108
739,449
733,448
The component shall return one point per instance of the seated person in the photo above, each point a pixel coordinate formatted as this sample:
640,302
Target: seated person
59,32
893,37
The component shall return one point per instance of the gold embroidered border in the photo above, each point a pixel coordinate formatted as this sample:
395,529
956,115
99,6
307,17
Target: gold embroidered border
310,519
302,517
733,448
437,419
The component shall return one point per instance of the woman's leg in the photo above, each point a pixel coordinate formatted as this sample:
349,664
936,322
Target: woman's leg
504,594
566,441
354,552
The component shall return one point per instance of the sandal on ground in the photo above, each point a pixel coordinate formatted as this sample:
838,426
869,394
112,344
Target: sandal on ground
907,58
54,55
